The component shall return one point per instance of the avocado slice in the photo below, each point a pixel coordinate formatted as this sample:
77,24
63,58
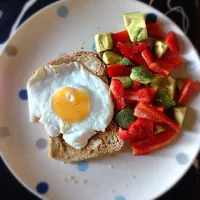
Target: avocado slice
110,57
159,129
179,83
136,26
141,74
163,97
125,61
159,48
124,118
179,114
166,84
127,82
103,42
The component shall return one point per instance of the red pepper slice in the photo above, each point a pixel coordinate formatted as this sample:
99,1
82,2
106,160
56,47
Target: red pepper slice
160,108
117,94
154,31
153,143
187,91
172,58
118,70
147,111
141,128
156,67
139,46
122,37
125,135
172,42
148,57
144,94
136,85
166,66
127,52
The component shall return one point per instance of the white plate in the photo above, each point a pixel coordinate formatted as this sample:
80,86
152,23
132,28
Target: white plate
61,28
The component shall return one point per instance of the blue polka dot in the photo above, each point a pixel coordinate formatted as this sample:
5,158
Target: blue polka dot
63,11
41,143
94,48
182,158
151,17
120,198
82,166
23,95
42,187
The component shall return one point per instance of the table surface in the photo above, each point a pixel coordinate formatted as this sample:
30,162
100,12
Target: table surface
189,186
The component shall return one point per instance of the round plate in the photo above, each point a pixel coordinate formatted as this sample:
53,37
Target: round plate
69,26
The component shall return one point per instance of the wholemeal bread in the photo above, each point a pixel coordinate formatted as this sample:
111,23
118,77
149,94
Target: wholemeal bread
102,142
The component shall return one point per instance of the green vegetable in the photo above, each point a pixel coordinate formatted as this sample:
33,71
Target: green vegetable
179,82
179,114
124,118
159,129
103,42
141,74
136,26
127,82
127,62
110,57
159,48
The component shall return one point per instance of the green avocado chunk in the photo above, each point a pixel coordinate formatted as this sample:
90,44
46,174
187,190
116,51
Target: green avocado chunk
163,97
124,118
103,42
125,61
159,129
110,57
179,114
159,48
127,82
179,82
141,74
136,26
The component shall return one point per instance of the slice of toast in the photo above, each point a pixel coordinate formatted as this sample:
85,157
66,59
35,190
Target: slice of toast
102,142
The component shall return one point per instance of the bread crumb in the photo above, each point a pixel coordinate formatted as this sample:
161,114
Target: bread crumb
70,177
111,167
82,42
84,181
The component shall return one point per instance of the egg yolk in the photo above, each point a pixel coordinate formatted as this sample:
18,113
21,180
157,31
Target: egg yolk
70,104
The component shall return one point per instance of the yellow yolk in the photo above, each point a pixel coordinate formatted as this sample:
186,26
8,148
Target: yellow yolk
70,104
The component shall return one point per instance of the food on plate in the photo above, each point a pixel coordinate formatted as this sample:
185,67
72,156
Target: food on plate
70,96
149,103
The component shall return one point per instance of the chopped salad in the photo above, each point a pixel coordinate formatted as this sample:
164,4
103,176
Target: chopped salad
150,105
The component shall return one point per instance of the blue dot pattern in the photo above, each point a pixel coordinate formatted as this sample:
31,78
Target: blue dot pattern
82,166
42,187
182,158
23,95
63,11
120,198
151,17
94,48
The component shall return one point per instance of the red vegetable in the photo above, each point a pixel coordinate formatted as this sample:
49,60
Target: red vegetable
145,110
166,66
144,94
125,135
187,91
139,46
160,108
156,67
141,128
136,85
122,37
172,58
117,94
172,42
118,70
154,143
148,57
154,31
128,53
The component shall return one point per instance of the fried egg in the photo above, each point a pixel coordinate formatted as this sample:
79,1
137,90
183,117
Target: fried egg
69,99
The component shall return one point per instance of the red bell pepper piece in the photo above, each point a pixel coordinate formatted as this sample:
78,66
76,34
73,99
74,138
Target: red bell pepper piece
136,85
153,143
125,135
187,91
166,66
118,70
148,57
127,52
145,110
154,31
117,94
172,42
156,67
122,37
141,128
144,94
172,58
160,108
139,46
